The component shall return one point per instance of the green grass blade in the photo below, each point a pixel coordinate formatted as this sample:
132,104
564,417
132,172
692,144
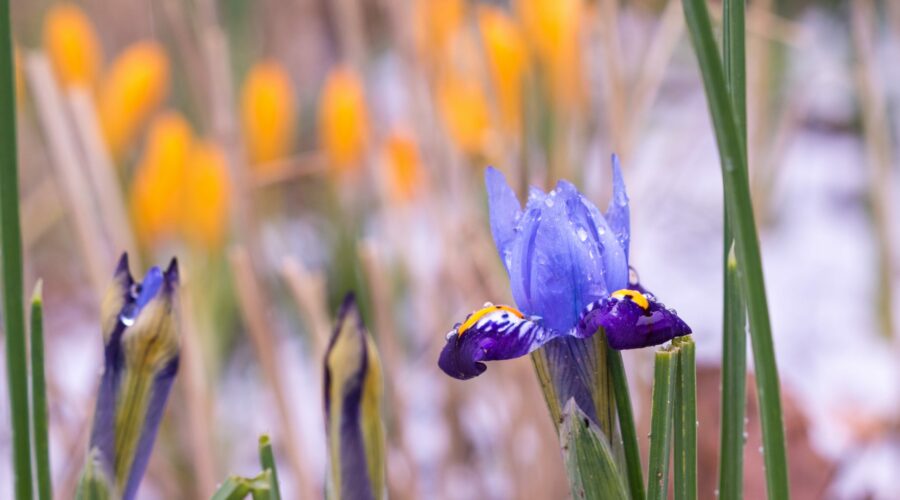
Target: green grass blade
267,460
661,424
590,465
39,398
685,421
234,488
633,472
735,62
11,248
734,387
740,214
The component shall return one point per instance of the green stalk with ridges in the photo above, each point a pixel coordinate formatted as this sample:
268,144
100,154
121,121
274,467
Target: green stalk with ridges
661,424
11,248
39,397
685,421
739,209
633,473
267,460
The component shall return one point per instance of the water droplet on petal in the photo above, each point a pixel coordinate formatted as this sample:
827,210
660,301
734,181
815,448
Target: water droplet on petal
582,234
128,314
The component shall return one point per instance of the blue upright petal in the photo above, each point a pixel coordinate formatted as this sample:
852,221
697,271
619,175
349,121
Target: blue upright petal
504,211
617,213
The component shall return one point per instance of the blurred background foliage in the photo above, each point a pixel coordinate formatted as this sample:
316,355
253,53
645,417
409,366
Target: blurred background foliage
290,151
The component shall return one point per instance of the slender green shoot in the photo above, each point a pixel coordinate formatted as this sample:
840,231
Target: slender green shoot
237,488
739,210
39,397
633,473
734,387
661,424
11,248
267,461
686,421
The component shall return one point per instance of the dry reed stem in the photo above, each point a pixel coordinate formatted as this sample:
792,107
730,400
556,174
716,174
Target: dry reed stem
102,173
67,159
198,403
308,290
42,209
615,92
294,168
877,136
253,308
652,71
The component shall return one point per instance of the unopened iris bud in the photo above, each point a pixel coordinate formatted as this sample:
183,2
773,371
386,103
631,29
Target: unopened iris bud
353,410
141,352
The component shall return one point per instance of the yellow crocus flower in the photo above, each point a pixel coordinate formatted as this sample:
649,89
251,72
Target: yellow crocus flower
553,29
159,178
343,120
401,155
464,110
70,41
507,60
134,86
268,112
207,196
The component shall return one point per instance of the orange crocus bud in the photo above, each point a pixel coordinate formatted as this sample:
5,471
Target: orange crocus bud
436,22
401,156
343,120
71,43
207,196
134,86
158,182
464,110
268,112
507,60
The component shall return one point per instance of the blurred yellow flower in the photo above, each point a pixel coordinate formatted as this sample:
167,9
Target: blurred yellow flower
435,23
207,195
343,119
507,59
268,112
553,29
401,155
71,43
133,87
464,109
159,178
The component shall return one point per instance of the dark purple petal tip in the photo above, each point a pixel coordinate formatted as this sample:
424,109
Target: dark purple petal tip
632,320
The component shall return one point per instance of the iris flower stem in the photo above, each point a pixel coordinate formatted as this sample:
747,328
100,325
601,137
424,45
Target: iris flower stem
39,398
633,474
661,424
11,246
740,213
685,421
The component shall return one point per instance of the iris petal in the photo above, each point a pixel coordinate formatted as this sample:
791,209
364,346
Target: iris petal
496,336
617,213
630,326
504,210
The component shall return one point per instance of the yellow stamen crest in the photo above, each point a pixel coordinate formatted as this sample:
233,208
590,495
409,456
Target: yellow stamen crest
635,296
477,315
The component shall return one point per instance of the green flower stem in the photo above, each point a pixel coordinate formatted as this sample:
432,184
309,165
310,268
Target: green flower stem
685,421
661,424
39,398
740,214
11,247
633,474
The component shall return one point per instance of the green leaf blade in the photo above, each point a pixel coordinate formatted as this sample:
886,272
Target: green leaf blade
39,398
589,462
661,424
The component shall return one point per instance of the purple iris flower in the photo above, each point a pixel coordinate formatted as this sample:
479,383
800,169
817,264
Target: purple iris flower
141,353
569,273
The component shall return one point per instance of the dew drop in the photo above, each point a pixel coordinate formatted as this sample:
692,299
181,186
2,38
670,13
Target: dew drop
128,314
549,200
450,334
582,234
